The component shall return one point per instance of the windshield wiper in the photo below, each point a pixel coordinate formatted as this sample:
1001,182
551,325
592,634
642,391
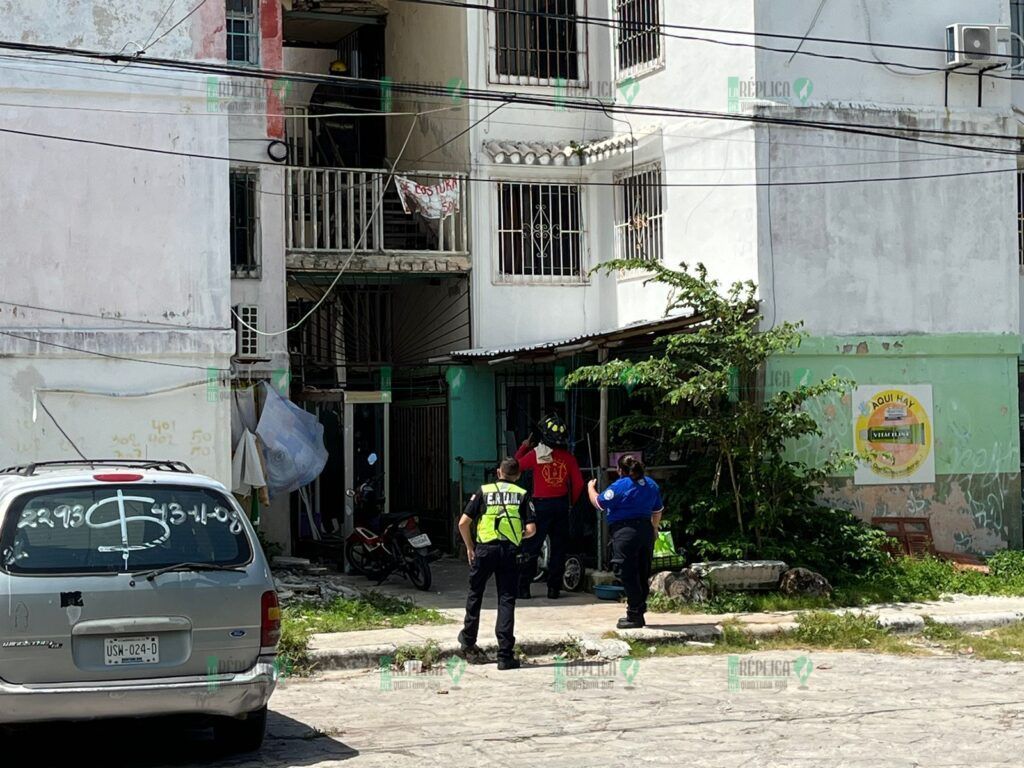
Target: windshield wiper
152,574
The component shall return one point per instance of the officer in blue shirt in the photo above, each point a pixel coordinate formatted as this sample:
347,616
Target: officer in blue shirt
633,508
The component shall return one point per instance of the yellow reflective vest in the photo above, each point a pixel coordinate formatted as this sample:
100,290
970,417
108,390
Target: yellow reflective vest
501,518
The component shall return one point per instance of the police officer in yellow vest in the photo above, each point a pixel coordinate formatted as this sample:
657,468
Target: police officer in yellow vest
503,514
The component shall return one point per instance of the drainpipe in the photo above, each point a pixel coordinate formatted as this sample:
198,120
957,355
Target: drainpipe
602,358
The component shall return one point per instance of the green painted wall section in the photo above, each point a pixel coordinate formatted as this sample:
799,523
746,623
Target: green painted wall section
472,410
975,502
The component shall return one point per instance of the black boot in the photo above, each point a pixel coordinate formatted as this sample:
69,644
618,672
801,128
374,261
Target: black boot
504,664
524,592
467,647
630,622
554,593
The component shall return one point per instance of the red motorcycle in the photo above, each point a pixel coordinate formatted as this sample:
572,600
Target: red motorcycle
386,543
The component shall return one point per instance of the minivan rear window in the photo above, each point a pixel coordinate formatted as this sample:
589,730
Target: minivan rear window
113,528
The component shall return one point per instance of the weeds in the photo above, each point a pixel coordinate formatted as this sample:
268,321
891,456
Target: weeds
300,621
428,654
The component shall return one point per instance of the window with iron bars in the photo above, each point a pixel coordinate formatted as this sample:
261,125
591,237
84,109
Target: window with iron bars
1020,217
540,233
640,214
248,343
638,36
243,32
244,191
539,42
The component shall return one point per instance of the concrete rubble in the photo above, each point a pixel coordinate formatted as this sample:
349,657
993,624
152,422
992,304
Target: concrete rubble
298,580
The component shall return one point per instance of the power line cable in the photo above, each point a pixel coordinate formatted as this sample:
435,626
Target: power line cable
661,185
525,99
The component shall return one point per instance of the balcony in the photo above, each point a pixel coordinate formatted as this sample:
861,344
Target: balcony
336,219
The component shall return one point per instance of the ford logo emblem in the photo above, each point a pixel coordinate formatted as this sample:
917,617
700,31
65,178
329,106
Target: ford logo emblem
238,633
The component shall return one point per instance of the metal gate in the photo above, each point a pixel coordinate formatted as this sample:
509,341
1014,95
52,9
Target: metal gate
420,466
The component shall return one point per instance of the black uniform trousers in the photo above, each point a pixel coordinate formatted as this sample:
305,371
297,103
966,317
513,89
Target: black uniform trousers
552,520
632,551
498,559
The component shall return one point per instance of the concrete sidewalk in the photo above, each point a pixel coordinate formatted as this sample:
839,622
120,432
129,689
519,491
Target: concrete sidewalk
543,626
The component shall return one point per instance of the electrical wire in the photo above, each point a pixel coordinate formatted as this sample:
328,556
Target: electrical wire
176,24
109,356
59,427
661,185
525,99
134,321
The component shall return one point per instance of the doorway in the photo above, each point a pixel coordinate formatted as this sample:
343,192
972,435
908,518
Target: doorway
367,446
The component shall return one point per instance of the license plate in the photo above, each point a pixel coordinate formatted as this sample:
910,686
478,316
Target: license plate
131,650
422,540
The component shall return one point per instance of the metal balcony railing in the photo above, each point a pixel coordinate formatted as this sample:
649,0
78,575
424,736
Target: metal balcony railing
336,210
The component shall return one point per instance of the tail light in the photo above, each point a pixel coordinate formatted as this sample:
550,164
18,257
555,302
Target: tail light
270,624
411,523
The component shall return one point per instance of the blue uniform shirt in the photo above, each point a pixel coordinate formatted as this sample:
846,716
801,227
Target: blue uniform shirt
628,499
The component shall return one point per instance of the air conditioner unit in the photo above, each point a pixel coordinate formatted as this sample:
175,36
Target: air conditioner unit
977,45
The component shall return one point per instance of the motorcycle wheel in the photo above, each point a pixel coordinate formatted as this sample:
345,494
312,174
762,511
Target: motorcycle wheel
542,561
360,559
573,578
418,570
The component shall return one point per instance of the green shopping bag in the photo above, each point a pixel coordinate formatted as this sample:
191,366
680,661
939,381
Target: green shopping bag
663,545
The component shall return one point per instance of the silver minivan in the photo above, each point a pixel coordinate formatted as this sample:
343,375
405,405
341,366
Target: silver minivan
133,589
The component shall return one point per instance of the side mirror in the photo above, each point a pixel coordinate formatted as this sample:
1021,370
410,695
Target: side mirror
350,493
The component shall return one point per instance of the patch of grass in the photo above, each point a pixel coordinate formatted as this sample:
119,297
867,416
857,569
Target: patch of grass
299,621
837,631
940,632
371,611
429,654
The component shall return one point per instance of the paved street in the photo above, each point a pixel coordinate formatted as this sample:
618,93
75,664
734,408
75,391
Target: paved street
856,710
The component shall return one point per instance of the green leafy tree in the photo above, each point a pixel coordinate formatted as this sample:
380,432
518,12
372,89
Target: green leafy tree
704,390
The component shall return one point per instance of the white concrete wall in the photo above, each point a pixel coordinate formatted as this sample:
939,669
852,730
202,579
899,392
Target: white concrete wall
889,257
908,22
123,253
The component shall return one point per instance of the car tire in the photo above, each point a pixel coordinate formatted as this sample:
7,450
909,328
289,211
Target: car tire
235,735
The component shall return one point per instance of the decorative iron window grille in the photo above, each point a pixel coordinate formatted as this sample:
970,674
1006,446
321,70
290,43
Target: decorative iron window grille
248,339
540,232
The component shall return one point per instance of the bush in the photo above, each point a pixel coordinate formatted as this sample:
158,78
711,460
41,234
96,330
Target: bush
1007,565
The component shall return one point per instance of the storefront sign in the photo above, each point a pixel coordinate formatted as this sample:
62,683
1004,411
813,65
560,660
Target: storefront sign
893,434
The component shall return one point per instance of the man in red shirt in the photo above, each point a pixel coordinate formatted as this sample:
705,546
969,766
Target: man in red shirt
557,486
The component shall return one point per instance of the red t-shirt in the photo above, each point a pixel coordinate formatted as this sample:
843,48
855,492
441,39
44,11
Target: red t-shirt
559,477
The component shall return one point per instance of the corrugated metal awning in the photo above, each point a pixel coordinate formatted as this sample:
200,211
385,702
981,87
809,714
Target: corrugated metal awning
552,350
